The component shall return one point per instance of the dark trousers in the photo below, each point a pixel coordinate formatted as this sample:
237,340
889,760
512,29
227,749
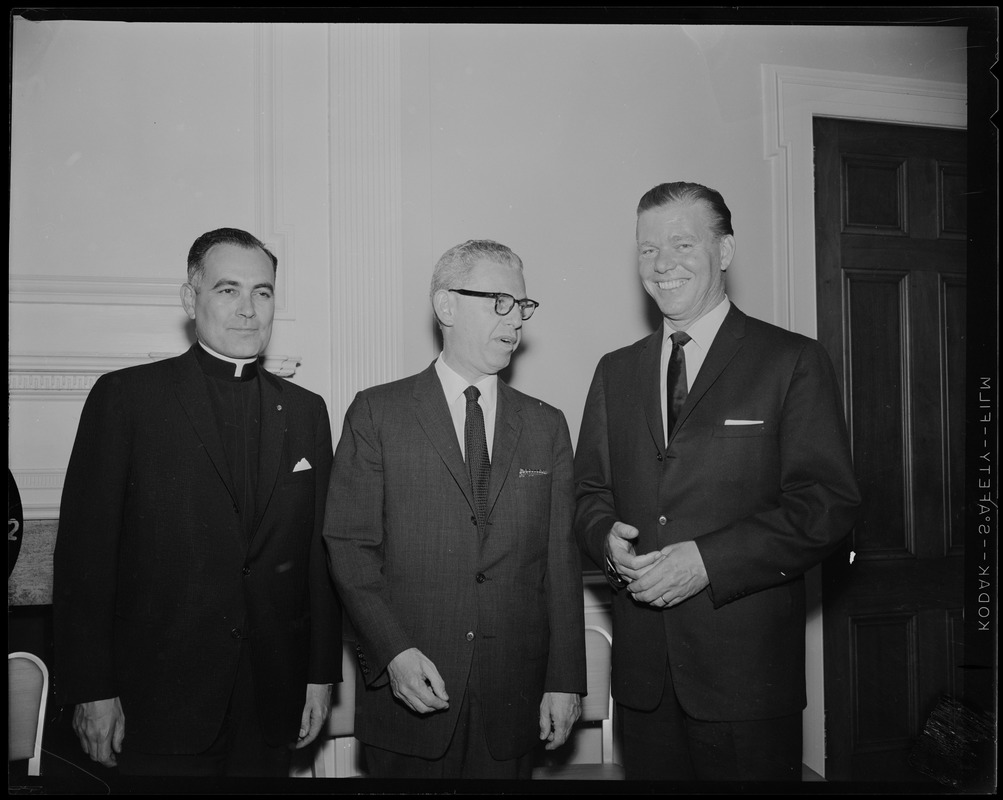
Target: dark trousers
467,756
668,745
238,751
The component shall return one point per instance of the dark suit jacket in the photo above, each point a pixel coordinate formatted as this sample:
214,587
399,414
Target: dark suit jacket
156,582
764,502
414,571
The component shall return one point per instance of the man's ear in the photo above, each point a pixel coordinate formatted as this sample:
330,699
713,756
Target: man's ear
442,305
188,299
727,245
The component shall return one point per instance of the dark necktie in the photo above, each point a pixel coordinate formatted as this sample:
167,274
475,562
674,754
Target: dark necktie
675,379
476,447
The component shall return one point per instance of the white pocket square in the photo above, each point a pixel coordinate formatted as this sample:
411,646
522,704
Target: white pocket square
531,473
743,422
301,465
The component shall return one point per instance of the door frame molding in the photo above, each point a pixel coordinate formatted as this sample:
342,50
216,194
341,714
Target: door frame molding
792,97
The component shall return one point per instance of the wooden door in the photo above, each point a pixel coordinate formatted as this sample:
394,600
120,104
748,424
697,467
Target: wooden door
891,278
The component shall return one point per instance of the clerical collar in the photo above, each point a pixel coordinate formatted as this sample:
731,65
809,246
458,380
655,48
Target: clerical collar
225,368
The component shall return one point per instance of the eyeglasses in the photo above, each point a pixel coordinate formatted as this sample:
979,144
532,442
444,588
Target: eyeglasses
503,302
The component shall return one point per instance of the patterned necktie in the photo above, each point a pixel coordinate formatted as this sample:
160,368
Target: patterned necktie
476,447
675,379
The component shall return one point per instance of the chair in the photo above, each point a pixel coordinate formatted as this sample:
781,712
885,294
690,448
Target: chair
27,692
597,707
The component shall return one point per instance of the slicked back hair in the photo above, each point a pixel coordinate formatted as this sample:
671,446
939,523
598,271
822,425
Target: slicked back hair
683,192
205,242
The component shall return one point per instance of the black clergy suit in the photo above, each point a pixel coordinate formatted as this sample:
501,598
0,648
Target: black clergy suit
165,569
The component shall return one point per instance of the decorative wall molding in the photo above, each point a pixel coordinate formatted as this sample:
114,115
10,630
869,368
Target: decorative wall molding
792,96
40,491
269,163
36,376
266,121
366,237
94,290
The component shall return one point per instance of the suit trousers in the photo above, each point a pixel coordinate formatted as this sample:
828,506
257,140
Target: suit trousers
467,756
239,750
666,744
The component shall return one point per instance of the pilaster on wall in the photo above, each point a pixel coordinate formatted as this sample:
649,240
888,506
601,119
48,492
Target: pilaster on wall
367,260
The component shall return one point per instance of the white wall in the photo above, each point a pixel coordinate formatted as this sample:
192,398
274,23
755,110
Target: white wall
360,153
129,140
545,138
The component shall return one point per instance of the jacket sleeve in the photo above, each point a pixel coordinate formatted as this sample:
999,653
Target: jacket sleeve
325,608
353,532
566,660
595,511
817,498
85,562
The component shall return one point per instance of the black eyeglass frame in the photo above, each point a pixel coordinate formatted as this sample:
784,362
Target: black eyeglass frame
504,302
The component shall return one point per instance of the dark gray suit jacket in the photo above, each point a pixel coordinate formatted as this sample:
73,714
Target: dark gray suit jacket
414,570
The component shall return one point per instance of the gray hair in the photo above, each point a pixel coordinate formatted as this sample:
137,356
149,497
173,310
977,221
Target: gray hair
453,269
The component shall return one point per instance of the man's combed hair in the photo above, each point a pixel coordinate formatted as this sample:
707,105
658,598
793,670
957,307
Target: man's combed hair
683,192
205,242
453,268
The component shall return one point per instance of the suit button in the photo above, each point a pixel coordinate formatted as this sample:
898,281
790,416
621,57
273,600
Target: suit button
662,520
658,457
473,520
235,509
480,577
246,570
235,633
470,636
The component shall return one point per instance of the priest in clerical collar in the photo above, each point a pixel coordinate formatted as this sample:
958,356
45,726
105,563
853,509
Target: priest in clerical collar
191,593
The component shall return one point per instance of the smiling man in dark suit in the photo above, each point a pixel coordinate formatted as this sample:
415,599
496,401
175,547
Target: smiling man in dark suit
197,630
449,529
712,471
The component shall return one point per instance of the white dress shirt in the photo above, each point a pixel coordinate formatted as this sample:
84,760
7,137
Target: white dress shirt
702,333
453,386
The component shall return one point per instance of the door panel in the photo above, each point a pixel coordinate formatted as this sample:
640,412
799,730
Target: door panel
891,263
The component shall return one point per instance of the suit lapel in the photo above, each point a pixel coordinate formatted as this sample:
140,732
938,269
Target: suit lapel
435,420
508,427
726,346
273,434
648,378
190,388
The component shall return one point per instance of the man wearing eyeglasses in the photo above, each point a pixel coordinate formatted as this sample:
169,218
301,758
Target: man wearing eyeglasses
449,532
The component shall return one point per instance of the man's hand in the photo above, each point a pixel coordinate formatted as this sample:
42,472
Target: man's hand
417,683
620,549
676,575
558,712
100,727
315,711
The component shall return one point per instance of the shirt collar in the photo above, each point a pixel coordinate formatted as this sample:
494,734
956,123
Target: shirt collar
704,329
220,366
453,385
